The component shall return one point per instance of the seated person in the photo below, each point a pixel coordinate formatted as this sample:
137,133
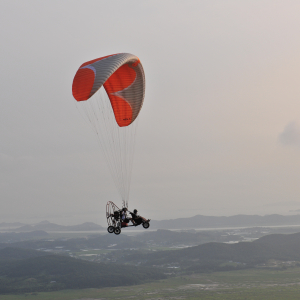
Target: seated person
136,219
124,218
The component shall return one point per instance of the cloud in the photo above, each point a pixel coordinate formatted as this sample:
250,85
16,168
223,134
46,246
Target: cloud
290,135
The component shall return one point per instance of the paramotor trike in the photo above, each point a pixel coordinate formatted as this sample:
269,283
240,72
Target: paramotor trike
115,222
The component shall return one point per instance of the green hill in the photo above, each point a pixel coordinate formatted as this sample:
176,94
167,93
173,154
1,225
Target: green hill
54,272
213,256
10,253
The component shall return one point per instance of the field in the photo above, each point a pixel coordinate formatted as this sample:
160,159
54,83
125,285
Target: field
235,285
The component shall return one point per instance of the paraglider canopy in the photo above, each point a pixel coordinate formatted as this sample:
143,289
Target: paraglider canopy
123,78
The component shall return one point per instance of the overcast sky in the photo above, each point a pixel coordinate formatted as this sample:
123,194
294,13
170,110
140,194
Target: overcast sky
219,132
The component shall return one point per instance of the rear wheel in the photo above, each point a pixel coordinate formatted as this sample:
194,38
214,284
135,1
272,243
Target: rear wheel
146,225
110,229
117,230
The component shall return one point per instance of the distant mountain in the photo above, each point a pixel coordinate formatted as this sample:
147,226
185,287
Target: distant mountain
87,226
8,225
44,222
100,241
47,226
200,221
195,222
213,256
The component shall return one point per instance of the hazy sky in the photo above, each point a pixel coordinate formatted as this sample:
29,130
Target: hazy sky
219,133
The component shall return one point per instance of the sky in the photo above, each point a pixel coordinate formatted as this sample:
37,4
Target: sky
219,132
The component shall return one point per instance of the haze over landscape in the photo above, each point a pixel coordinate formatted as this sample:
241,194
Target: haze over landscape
219,130
216,164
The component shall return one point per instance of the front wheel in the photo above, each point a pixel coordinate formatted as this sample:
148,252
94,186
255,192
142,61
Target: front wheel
146,225
117,230
110,229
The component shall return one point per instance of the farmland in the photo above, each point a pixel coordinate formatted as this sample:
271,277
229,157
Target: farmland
232,285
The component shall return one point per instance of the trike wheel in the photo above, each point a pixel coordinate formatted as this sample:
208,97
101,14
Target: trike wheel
117,230
110,229
146,225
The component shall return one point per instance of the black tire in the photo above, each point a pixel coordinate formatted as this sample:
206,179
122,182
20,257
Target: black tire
110,229
117,230
146,225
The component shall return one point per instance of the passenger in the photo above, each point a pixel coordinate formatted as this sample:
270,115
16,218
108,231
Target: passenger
125,219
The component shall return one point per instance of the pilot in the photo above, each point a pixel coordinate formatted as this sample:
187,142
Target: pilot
136,219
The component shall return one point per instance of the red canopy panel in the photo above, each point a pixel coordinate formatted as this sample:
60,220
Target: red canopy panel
123,78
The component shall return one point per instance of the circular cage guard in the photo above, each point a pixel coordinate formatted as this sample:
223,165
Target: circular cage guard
111,208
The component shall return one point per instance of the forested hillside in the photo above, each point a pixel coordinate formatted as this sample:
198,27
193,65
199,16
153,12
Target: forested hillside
221,256
33,271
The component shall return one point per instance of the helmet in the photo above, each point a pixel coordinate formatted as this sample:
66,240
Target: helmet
135,211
